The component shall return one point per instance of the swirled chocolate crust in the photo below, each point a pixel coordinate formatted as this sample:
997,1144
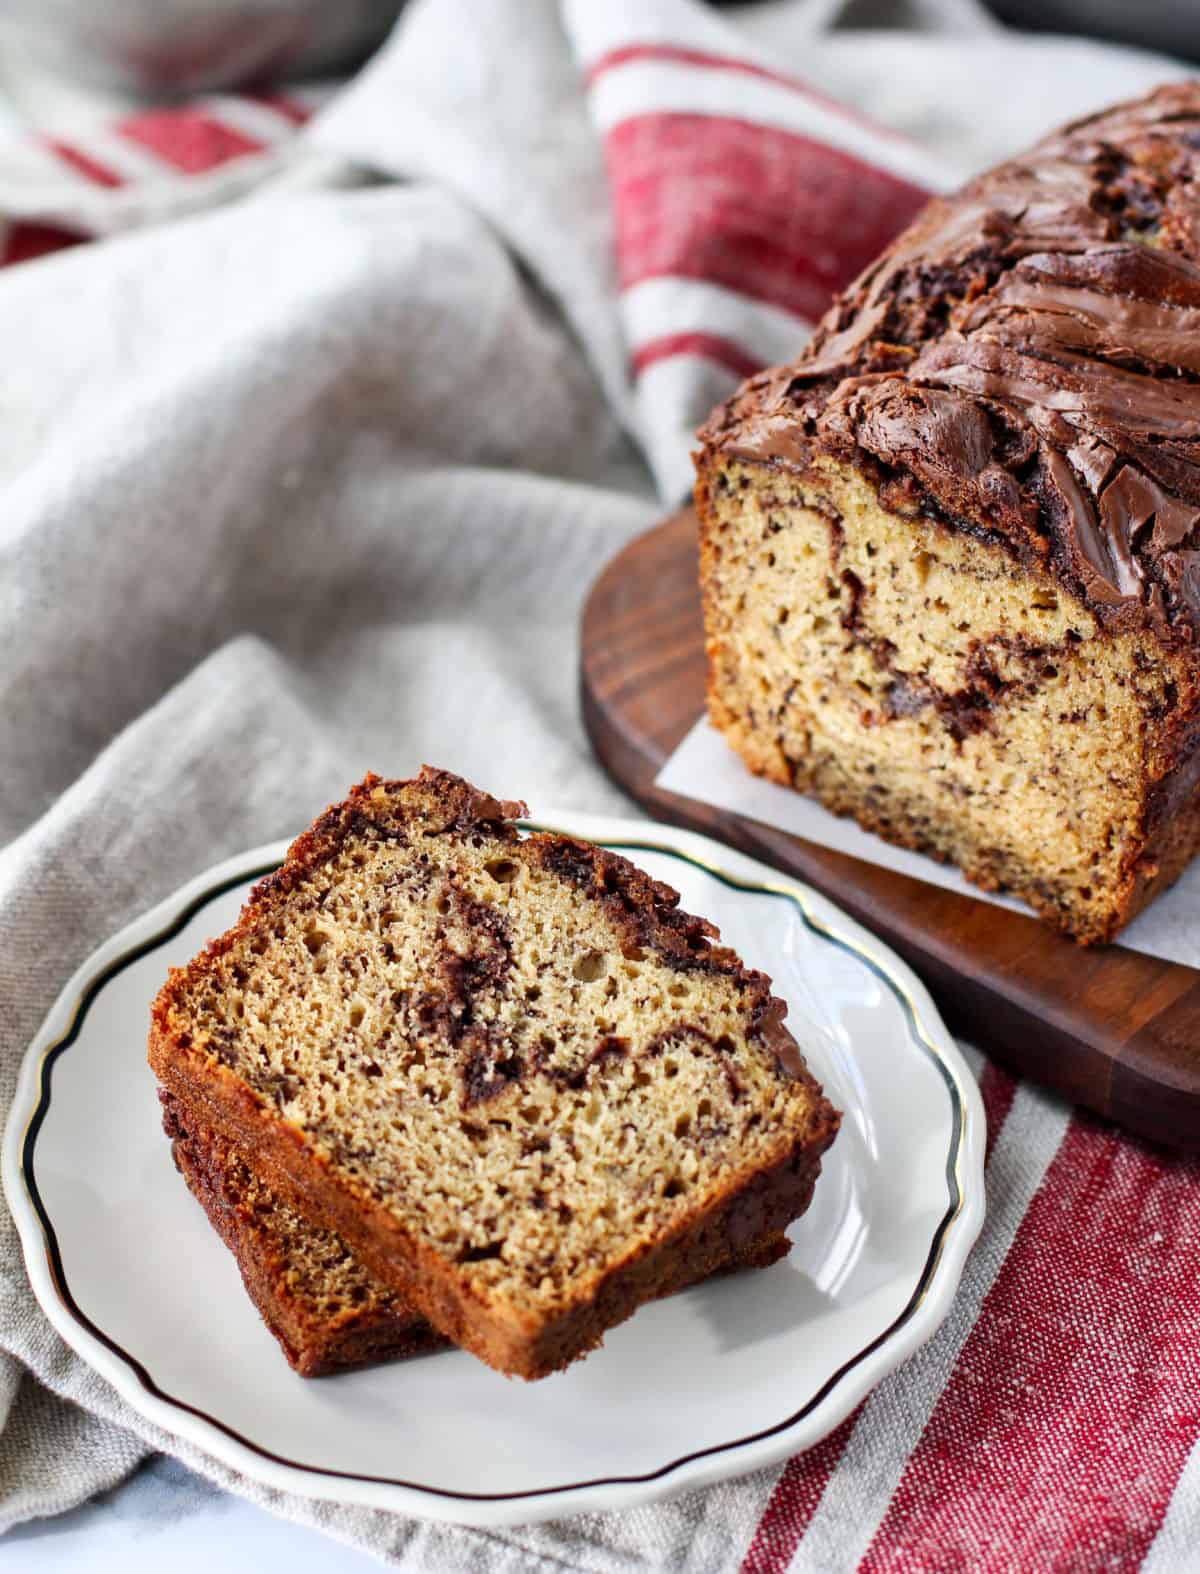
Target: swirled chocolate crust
522,1087
1025,361
992,444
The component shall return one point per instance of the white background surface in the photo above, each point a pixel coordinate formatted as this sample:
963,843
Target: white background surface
165,1520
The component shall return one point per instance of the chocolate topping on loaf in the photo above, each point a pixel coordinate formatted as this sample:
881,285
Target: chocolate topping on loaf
1024,364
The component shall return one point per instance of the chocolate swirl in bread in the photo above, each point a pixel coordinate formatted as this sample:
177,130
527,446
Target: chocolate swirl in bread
517,1082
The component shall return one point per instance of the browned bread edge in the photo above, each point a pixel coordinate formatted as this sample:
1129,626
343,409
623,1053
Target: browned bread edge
362,1337
357,1337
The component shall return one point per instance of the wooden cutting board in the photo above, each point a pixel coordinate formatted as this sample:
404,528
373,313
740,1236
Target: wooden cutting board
1110,1029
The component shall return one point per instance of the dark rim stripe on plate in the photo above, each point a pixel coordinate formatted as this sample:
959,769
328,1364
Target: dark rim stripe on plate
814,925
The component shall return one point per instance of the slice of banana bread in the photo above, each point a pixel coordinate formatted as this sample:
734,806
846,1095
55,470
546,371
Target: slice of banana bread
951,556
528,1091
327,1312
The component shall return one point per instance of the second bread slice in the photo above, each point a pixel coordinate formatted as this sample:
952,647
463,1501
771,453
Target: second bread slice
327,1312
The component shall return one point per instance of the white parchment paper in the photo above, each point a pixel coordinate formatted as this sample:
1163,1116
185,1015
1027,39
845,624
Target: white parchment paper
704,767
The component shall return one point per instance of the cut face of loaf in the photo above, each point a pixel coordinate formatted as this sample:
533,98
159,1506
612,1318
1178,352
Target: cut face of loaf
327,1311
526,1089
916,679
951,557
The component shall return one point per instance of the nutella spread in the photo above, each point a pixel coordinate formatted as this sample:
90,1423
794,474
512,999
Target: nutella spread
1027,355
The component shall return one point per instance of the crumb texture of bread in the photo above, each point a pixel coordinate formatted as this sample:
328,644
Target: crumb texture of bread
527,1089
949,558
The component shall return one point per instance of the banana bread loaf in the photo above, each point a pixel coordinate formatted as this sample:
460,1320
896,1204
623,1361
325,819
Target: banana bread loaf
526,1090
949,559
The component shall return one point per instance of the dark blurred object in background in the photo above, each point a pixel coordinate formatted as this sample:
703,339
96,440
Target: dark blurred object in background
1172,26
164,47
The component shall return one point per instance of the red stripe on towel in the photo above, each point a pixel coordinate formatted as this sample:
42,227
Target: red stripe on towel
290,108
24,242
773,215
710,345
191,140
794,1502
83,163
706,60
1061,1433
997,1090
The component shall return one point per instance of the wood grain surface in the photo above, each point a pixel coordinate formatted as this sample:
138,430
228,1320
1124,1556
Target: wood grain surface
1110,1029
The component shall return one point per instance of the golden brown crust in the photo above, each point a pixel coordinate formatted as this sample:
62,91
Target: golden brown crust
746,1231
756,1203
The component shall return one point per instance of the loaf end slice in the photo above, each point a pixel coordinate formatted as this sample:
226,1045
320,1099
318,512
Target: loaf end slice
526,1089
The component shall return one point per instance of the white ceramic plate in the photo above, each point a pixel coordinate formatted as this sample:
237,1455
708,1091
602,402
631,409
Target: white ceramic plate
726,1377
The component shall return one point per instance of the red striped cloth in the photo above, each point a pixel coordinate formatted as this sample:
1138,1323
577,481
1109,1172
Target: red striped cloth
64,186
743,200
1053,1422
